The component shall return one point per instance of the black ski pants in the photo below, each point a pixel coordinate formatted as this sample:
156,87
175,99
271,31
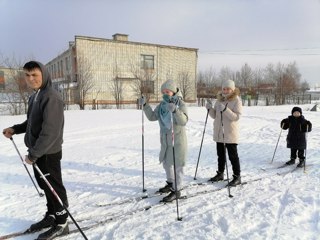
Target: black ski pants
233,156
294,153
50,166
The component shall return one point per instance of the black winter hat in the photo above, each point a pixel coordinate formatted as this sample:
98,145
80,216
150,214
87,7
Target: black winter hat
295,109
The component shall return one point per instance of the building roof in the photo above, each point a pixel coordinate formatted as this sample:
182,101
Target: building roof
131,42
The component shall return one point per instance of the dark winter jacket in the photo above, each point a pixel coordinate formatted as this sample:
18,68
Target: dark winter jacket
298,126
45,120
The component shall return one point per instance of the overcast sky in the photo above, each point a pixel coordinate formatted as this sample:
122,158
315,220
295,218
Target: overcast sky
226,32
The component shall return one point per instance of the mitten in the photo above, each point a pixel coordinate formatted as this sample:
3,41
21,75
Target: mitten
284,124
171,107
208,105
306,126
142,100
220,107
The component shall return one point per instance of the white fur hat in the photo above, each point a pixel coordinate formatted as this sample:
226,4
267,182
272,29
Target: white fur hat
228,84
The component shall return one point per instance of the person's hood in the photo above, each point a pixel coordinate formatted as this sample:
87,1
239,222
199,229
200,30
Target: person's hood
46,78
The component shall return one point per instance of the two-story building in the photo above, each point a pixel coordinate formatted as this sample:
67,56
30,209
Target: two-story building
117,70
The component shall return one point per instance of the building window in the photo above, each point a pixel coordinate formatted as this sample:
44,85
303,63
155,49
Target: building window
58,70
61,68
67,64
147,86
147,61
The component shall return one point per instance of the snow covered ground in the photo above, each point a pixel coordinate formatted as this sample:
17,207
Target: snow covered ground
102,164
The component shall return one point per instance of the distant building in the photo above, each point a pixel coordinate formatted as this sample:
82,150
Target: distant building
118,70
2,77
10,77
315,93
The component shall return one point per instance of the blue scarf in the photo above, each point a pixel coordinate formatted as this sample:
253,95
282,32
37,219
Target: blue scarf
165,115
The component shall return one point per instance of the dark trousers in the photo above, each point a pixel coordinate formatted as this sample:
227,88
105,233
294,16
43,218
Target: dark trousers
50,166
294,153
233,156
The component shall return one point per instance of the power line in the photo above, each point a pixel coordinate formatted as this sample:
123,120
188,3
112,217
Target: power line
255,52
260,54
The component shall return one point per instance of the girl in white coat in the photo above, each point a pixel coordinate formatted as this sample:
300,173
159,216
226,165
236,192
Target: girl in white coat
226,114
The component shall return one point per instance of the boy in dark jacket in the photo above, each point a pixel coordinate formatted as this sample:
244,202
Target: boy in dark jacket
43,130
296,139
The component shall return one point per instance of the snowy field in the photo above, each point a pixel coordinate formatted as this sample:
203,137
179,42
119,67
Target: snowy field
102,164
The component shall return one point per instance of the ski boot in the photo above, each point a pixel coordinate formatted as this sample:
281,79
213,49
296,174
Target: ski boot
301,163
292,161
235,181
217,177
172,196
46,222
166,188
55,231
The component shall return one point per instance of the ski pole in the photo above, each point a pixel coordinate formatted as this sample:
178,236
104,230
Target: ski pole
225,157
58,198
204,130
142,113
174,169
24,164
277,143
305,154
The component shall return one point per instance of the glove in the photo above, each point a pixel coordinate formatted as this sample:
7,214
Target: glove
171,107
221,107
208,104
142,101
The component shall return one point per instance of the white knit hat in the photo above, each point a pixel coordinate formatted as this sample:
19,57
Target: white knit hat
228,84
170,85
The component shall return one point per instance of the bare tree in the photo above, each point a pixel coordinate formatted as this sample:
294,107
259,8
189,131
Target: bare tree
117,87
293,73
246,76
16,91
144,81
84,79
277,82
185,84
225,74
305,86
208,78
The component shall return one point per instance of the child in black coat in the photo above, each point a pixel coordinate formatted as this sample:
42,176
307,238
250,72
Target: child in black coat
296,139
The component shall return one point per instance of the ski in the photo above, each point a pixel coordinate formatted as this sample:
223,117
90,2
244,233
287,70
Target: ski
148,196
130,213
273,168
129,200
13,235
22,233
180,198
290,171
151,206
